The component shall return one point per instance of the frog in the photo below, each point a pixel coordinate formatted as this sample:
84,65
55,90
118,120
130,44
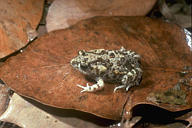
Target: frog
121,66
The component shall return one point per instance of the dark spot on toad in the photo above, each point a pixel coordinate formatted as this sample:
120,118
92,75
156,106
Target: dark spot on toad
119,63
112,55
103,52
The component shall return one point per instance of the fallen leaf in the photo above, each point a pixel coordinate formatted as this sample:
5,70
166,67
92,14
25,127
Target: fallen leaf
187,117
18,21
43,70
171,125
174,13
4,97
54,116
64,13
190,122
26,115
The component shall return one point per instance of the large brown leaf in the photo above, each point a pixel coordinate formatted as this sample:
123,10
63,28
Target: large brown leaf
64,13
43,71
18,21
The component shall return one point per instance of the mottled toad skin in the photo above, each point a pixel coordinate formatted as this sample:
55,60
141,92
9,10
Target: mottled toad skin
116,66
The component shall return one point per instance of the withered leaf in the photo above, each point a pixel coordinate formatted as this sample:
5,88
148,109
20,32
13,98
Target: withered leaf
43,70
64,13
18,21
4,97
179,13
26,115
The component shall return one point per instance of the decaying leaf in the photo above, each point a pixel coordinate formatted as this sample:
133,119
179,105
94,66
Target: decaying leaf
179,12
18,21
187,117
166,91
64,13
4,97
33,115
43,71
171,125
26,115
190,122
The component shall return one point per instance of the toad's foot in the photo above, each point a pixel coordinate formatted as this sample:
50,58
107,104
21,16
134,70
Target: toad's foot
119,87
98,86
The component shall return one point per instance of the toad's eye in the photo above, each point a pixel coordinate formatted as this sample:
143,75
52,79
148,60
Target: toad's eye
82,52
74,63
84,67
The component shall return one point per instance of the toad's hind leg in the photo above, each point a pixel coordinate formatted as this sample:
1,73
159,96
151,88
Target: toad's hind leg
98,86
123,83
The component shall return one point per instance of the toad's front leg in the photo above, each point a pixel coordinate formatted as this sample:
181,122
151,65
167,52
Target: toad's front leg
98,86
